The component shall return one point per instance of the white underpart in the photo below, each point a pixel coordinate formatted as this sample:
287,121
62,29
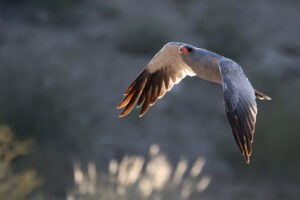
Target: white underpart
185,72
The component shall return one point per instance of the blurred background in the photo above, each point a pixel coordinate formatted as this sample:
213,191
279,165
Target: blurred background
66,63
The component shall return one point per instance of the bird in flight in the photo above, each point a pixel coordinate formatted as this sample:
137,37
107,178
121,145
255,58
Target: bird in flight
177,60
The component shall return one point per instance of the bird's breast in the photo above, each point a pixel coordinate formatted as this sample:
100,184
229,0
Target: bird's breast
208,69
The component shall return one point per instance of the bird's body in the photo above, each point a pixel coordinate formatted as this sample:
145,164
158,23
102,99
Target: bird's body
177,60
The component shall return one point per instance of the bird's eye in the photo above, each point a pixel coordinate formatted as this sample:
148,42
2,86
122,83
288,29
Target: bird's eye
189,49
186,49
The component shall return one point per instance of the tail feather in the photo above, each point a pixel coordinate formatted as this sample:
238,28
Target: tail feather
261,96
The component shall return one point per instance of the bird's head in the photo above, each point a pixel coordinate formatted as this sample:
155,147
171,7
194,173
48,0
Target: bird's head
195,57
189,54
186,49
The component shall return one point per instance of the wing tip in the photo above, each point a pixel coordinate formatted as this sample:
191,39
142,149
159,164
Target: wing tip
143,112
247,156
247,160
124,113
120,106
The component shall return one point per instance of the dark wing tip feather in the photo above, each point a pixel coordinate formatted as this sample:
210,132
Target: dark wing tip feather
242,121
240,104
125,101
157,78
146,103
247,158
133,92
145,90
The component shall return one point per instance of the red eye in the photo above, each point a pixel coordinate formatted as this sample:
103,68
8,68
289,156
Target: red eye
184,49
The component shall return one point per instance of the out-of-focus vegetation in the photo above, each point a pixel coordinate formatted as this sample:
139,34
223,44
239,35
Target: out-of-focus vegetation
221,27
53,5
60,85
278,137
15,183
42,105
144,36
134,177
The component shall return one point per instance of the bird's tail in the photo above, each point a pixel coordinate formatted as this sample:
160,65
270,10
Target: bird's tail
261,96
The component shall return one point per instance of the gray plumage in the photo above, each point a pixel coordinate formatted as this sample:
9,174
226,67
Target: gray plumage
177,60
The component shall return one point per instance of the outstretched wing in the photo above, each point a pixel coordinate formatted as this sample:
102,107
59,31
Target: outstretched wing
159,76
240,105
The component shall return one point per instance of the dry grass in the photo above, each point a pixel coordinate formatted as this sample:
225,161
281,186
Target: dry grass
134,177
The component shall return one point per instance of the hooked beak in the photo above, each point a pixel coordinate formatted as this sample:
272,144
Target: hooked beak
183,50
